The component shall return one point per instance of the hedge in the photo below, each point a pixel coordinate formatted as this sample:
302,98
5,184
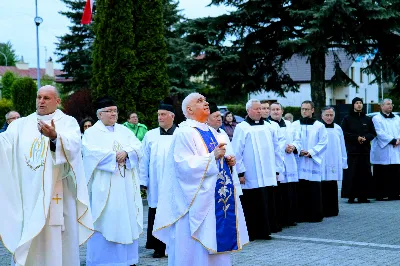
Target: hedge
5,107
240,110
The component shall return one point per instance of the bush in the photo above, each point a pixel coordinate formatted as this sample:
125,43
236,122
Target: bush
23,92
5,107
7,81
237,109
295,111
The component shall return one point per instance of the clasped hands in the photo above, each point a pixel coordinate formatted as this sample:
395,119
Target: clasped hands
305,154
121,157
361,140
47,130
219,152
290,148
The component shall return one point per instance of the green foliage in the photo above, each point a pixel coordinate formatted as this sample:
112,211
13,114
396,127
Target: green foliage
7,81
7,49
74,49
295,111
23,95
151,53
5,107
114,54
237,109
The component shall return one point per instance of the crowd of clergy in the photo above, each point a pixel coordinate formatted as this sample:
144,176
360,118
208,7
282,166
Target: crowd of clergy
209,193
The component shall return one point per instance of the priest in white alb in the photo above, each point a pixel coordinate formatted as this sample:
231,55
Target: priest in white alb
385,152
334,163
289,179
259,162
199,215
111,154
312,146
43,193
155,146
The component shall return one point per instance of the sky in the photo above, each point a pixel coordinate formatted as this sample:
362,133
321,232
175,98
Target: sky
18,27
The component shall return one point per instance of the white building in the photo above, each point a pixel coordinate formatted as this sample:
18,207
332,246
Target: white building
300,71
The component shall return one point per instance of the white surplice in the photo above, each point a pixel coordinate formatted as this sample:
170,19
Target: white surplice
382,151
155,148
290,173
336,155
185,219
114,192
43,193
258,153
313,139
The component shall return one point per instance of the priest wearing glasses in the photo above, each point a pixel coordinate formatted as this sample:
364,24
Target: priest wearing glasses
199,214
111,154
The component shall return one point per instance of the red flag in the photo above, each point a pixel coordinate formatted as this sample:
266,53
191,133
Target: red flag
87,12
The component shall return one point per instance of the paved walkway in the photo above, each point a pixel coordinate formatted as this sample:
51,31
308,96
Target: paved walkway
362,234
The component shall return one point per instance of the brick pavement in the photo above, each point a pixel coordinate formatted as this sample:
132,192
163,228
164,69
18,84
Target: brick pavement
362,234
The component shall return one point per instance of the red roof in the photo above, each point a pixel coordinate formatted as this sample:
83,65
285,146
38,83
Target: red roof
31,72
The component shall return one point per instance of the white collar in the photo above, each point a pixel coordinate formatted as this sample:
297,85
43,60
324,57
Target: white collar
194,123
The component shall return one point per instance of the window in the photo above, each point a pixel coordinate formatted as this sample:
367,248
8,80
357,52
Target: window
361,75
352,73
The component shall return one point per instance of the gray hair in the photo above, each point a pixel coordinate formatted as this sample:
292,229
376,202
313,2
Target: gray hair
185,103
9,113
384,101
250,102
98,112
327,108
56,91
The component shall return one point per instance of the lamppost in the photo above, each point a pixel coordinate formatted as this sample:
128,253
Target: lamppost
5,57
38,21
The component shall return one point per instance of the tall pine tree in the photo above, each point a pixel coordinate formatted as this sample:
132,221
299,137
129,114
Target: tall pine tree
114,55
151,53
74,49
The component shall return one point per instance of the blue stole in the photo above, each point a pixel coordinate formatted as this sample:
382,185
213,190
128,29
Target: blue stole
225,203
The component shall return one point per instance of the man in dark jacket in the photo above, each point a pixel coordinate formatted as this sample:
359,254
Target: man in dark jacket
358,132
10,116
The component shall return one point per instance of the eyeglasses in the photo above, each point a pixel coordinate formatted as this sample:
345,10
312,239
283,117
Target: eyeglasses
110,111
305,109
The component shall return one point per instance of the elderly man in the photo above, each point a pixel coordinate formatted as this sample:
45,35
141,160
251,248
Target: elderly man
43,190
288,117
111,154
10,116
311,150
155,148
385,152
258,156
133,124
358,131
199,215
334,163
288,179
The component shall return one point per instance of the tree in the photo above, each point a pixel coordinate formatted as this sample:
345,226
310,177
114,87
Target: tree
129,56
151,54
79,105
23,95
74,49
7,81
114,70
5,107
9,53
179,56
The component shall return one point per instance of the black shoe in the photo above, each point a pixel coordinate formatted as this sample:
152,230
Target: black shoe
351,201
380,199
363,201
158,255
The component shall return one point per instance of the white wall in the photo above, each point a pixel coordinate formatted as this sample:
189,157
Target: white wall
367,92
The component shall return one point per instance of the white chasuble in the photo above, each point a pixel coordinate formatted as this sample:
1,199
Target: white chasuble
114,189
313,139
155,148
382,150
258,154
186,219
43,193
336,155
